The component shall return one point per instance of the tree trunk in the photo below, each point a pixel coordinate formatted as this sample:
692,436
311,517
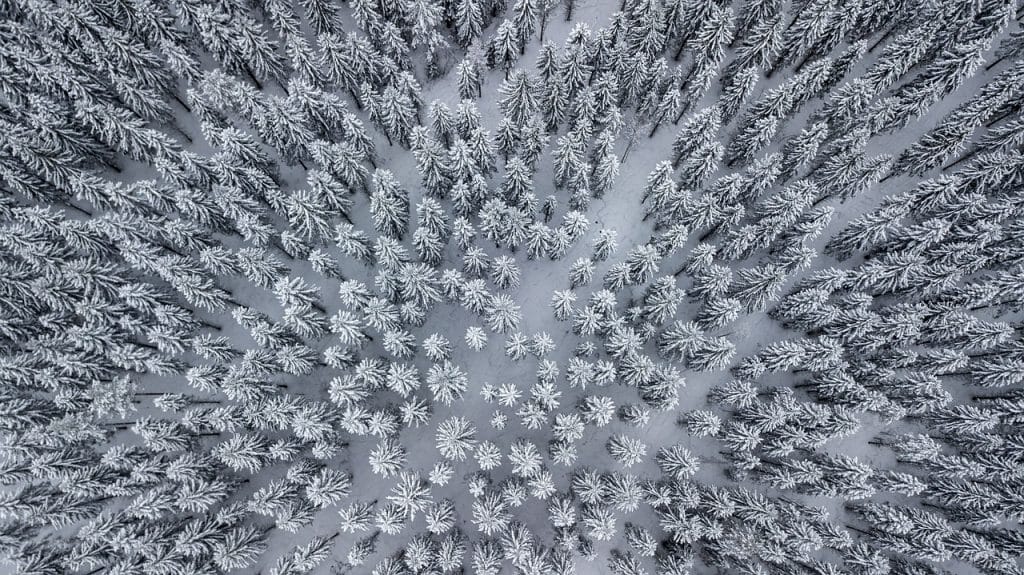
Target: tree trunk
803,61
882,39
177,99
858,530
209,325
682,112
1001,117
654,128
82,211
280,248
711,231
820,200
248,71
178,129
774,68
994,62
629,146
171,249
679,50
110,164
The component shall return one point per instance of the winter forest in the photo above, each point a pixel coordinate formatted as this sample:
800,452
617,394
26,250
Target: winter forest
533,287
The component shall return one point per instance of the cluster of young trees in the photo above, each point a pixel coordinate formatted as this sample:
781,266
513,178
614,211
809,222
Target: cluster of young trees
171,169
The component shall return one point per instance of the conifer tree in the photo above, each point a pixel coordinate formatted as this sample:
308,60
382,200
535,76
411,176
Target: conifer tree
503,49
389,205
